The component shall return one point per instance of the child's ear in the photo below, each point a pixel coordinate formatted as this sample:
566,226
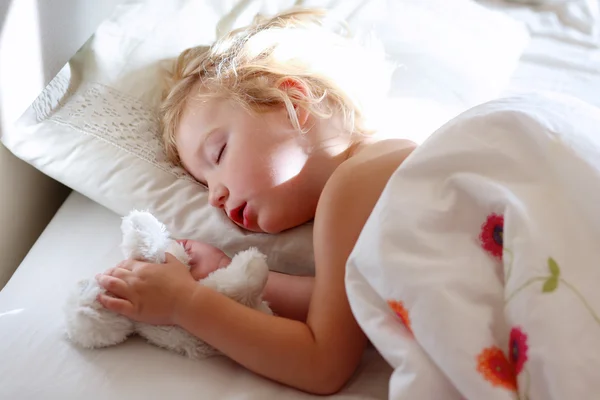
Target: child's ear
302,114
296,90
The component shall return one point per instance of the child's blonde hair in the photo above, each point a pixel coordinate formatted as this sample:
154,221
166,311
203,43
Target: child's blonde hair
290,59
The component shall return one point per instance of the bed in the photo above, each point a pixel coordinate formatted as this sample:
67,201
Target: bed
562,54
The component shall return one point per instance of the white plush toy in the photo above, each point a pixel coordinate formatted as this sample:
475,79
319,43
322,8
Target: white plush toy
144,238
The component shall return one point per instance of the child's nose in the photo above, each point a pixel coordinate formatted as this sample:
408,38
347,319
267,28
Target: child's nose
218,196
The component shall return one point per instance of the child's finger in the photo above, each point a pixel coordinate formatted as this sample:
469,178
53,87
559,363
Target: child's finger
126,264
107,272
120,306
114,285
185,243
170,258
121,273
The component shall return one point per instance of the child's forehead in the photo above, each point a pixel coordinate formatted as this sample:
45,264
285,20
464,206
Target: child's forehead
200,118
199,108
209,104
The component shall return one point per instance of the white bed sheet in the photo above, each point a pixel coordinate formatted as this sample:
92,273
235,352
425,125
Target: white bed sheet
37,362
564,51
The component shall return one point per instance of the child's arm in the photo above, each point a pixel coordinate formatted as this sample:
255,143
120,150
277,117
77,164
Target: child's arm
321,355
318,356
289,295
313,357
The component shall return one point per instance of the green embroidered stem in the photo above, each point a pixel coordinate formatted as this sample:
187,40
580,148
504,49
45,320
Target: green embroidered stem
583,300
510,263
523,286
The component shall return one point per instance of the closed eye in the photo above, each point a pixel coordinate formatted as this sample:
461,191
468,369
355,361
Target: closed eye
221,152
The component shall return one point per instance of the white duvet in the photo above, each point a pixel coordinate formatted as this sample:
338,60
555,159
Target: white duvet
477,274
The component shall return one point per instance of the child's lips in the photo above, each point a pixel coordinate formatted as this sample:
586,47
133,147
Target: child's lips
240,215
236,215
245,216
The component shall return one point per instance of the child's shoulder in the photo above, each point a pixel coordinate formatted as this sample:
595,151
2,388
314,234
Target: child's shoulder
353,189
371,165
388,153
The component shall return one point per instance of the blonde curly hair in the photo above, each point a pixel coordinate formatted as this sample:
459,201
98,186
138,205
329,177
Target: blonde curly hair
291,59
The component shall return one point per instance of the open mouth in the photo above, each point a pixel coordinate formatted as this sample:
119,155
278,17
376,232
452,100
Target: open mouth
237,214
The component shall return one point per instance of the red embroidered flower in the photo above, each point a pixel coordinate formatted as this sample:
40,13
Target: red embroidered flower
518,349
492,235
401,312
496,369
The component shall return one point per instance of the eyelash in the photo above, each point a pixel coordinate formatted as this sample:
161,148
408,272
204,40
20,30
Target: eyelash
221,154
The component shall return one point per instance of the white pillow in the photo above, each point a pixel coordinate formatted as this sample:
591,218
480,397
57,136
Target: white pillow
95,130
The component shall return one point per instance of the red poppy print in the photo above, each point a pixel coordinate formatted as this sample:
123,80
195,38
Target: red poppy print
492,235
518,349
496,369
401,312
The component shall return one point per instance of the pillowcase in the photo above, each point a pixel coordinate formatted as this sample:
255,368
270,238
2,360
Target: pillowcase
95,129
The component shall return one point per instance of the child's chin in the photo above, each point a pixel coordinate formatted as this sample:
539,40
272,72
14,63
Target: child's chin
255,228
265,227
275,229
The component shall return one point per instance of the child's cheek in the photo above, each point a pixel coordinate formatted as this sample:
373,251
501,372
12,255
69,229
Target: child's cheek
286,164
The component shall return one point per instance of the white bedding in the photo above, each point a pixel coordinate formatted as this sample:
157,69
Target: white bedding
476,274
564,51
37,362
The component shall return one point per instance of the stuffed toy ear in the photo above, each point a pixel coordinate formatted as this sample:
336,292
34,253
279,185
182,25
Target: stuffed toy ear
144,237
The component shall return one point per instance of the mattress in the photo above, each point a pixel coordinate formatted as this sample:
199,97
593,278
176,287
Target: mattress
38,362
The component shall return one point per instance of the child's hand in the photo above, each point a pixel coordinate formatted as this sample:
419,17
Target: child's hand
144,292
204,258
